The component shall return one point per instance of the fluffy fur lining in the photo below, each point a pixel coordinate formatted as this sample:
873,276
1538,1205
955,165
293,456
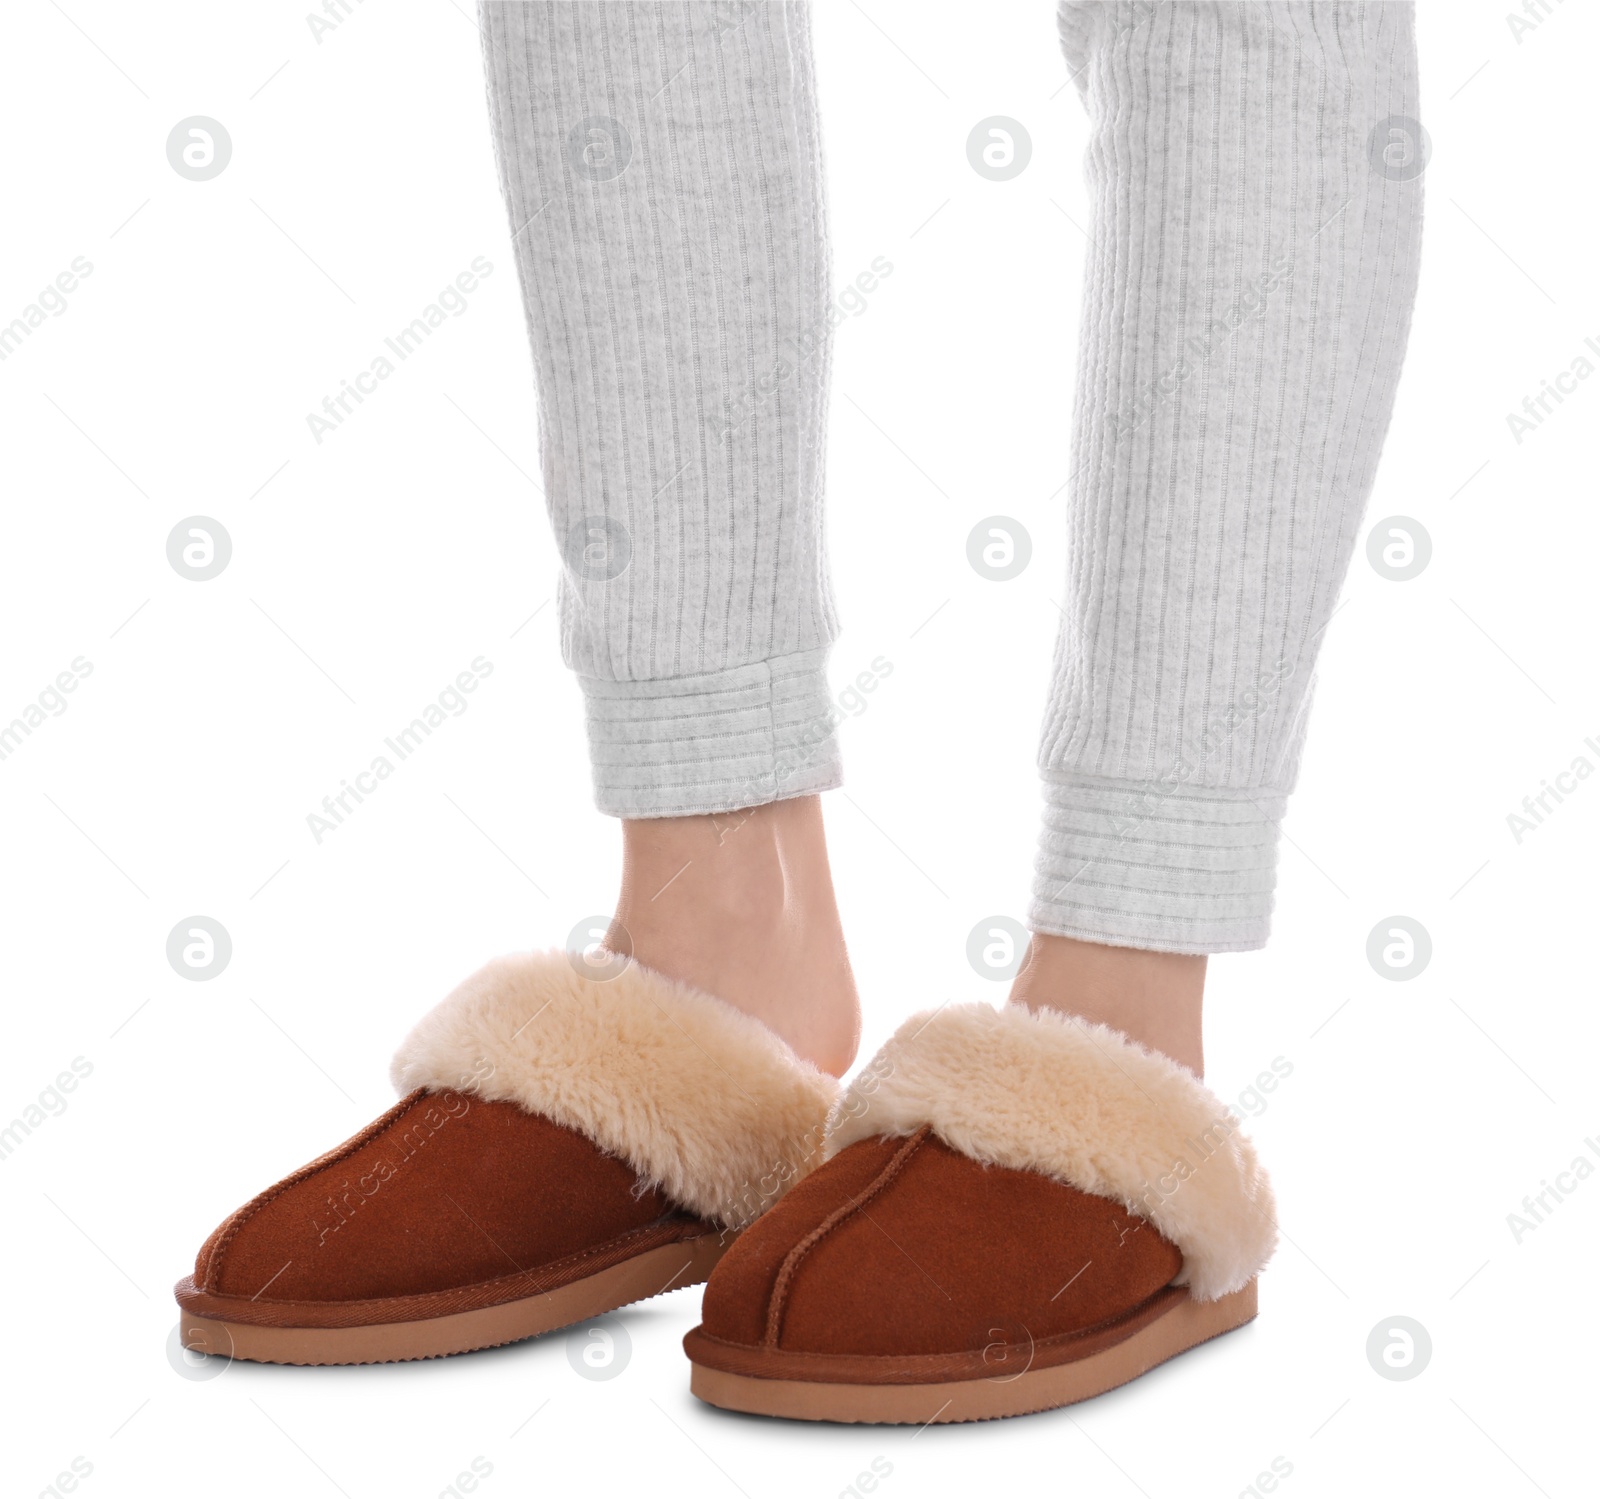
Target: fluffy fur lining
698,1097
1040,1091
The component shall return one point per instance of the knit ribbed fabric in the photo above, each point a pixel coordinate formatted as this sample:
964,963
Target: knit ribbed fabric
1247,300
1252,264
754,734
662,169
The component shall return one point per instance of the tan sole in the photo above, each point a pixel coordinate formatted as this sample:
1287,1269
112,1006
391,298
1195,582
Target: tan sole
685,1263
1188,1324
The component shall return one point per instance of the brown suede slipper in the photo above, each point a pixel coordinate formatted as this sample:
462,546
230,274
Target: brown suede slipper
1018,1211
564,1147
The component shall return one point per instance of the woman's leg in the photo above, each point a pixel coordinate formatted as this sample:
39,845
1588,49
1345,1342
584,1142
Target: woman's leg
1246,306
600,1139
662,170
1078,1208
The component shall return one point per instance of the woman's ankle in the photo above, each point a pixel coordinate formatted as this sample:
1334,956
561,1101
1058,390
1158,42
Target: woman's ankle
741,904
1153,998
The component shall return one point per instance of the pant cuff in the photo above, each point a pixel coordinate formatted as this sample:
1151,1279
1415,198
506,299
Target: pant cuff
736,738
1147,864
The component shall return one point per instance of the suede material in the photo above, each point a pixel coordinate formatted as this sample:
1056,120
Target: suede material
933,1253
443,1191
202,1263
1042,1091
736,1298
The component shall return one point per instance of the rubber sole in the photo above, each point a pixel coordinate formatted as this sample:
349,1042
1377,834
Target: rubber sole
1188,1324
687,1262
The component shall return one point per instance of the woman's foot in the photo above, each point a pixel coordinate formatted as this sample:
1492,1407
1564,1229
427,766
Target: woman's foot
1153,998
583,1151
741,905
1017,1212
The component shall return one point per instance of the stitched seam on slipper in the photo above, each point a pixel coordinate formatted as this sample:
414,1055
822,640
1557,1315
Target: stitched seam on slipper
527,1283
791,1261
339,1153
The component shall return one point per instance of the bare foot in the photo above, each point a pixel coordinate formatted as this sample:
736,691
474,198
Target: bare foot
1152,997
741,905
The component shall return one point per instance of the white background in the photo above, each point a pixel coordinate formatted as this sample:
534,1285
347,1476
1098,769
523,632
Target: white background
368,571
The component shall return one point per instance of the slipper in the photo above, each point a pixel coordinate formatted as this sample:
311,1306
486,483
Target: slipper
1018,1210
564,1146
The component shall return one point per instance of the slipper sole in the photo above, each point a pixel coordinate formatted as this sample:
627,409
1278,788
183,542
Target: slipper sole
1183,1325
665,1268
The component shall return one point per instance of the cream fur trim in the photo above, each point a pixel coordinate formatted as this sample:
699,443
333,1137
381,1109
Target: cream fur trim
1040,1091
695,1095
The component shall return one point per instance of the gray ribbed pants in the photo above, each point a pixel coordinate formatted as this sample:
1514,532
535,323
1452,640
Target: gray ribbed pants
1246,306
